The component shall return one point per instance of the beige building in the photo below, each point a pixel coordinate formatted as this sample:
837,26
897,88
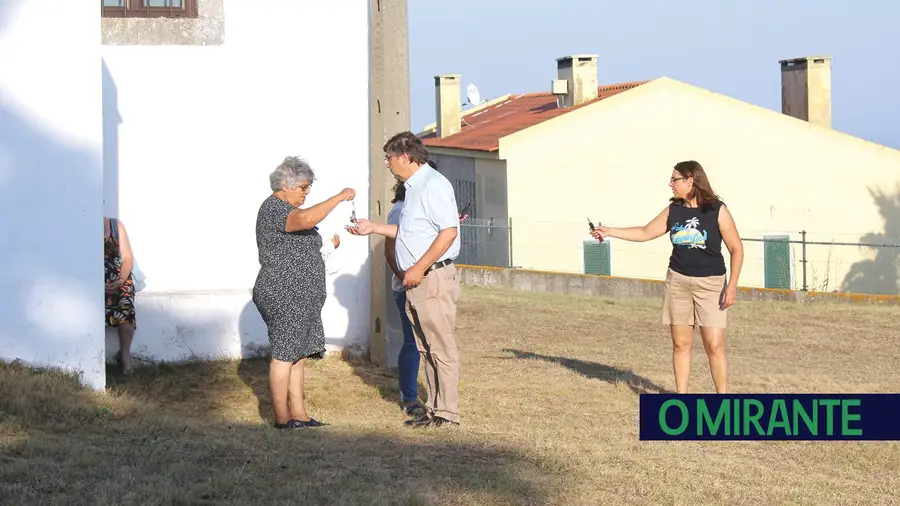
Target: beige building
546,162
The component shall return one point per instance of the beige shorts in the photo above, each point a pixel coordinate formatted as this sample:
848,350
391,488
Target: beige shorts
694,300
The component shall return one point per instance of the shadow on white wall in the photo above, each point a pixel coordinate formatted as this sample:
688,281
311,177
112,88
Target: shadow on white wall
50,186
880,274
111,121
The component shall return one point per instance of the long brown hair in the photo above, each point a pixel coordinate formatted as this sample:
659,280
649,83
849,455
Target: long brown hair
702,190
399,192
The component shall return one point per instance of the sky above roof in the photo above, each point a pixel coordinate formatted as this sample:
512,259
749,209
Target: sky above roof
731,48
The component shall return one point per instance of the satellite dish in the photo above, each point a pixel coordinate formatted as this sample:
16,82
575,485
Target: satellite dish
473,95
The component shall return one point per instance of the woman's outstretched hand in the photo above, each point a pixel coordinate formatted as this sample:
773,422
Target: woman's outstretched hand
347,194
600,233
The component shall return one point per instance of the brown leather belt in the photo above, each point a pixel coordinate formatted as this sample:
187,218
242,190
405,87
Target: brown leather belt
438,265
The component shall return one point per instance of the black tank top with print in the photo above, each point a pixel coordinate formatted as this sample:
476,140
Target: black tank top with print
696,240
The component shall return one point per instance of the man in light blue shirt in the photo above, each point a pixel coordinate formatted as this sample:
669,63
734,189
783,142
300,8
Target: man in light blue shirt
408,358
426,244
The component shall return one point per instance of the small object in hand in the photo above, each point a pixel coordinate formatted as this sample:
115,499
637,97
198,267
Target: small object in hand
593,228
353,216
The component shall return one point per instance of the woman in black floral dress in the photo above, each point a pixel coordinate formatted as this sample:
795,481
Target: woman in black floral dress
118,261
290,287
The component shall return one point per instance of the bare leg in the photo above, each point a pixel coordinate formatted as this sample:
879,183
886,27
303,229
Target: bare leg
714,342
682,343
126,335
279,376
295,392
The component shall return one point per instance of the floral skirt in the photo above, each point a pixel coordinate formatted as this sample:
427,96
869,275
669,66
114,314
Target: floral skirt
120,305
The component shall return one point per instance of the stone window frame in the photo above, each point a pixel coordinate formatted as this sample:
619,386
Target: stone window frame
134,9
199,23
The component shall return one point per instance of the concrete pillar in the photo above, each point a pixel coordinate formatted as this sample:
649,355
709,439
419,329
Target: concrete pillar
388,114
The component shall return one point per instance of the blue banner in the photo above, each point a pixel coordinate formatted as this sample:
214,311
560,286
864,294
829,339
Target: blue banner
774,417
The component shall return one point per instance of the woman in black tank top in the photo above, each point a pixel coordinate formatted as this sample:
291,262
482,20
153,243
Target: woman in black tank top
697,294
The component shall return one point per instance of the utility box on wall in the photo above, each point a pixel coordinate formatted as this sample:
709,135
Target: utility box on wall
597,257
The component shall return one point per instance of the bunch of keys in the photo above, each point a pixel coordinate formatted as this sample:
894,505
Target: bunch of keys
591,224
353,215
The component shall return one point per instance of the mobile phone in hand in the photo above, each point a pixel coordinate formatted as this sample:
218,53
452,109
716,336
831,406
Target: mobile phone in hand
465,210
591,224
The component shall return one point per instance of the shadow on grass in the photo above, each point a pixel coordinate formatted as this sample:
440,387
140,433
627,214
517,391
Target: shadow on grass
386,382
254,372
637,384
64,444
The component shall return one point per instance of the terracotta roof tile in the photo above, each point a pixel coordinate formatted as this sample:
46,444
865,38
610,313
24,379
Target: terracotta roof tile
482,129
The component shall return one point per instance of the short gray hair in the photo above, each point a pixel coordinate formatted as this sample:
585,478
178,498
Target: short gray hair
291,173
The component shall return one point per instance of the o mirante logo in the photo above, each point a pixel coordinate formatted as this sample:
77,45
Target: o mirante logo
770,416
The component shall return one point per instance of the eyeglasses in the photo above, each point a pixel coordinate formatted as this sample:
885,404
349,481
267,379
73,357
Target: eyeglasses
305,188
673,179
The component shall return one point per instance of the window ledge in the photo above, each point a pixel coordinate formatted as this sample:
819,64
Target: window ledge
208,29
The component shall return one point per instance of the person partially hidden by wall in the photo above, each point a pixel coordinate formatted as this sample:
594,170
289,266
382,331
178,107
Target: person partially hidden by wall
697,291
408,360
427,244
120,313
289,292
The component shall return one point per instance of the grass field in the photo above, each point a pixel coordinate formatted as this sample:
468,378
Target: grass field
549,395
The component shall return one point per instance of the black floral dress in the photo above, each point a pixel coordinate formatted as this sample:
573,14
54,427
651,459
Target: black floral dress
119,304
290,287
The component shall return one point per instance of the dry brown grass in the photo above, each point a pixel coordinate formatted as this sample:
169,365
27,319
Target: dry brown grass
549,399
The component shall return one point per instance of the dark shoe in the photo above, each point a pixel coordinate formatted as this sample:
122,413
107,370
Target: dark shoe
312,422
418,421
414,409
440,422
294,424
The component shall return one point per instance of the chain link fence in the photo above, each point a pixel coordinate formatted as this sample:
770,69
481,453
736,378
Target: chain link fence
807,261
486,242
874,268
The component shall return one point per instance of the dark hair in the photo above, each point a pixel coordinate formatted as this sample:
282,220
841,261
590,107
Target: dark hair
399,192
702,190
406,143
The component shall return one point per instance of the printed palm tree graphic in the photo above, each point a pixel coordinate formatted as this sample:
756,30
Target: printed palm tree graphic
689,236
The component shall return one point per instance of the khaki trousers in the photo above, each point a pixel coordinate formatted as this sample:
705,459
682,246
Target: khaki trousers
431,307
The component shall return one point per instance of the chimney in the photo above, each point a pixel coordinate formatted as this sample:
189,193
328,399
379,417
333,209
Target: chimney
447,102
806,89
576,79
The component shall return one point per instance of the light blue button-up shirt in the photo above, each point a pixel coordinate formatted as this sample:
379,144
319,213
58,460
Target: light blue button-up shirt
429,207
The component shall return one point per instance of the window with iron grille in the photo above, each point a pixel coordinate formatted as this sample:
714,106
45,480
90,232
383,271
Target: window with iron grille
149,8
